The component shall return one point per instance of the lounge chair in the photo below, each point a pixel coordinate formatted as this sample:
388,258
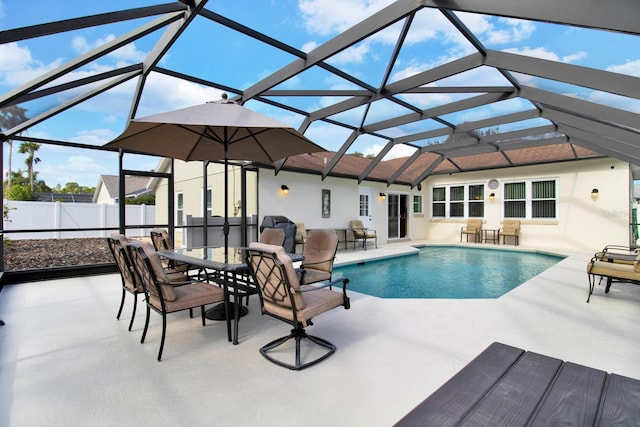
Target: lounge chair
616,264
282,297
510,228
319,254
360,232
473,228
162,296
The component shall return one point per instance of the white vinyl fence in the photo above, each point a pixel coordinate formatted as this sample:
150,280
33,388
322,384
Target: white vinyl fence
58,215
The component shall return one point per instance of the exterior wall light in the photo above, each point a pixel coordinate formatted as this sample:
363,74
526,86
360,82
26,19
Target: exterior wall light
492,196
383,196
284,189
594,194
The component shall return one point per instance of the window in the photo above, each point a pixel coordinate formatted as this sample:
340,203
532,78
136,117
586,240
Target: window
456,201
515,200
208,202
364,205
476,201
463,201
530,199
179,209
438,203
417,204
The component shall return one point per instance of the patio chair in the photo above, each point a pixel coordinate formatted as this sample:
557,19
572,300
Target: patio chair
161,294
301,235
473,228
360,232
128,275
319,254
510,228
616,264
272,236
282,297
162,242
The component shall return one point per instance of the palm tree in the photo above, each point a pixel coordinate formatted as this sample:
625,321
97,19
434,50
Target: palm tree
30,149
10,117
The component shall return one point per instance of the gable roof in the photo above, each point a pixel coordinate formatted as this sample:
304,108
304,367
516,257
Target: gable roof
133,186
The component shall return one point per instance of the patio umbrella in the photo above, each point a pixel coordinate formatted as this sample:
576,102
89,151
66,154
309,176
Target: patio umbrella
220,130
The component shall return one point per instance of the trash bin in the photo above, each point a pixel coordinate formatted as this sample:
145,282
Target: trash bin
288,226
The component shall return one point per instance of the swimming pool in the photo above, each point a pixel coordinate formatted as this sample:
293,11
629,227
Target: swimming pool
446,272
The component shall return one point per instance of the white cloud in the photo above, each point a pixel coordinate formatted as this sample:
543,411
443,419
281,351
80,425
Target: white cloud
17,65
354,55
327,17
127,54
398,150
631,68
574,57
538,52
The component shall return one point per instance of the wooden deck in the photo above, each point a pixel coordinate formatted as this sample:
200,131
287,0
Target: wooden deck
508,386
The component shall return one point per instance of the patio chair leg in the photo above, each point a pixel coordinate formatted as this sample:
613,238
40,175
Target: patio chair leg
121,304
164,332
146,325
133,314
202,315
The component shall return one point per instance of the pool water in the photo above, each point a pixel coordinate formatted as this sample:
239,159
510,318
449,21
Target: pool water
446,272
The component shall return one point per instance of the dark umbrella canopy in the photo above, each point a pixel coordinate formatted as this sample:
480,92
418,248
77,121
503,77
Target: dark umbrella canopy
214,131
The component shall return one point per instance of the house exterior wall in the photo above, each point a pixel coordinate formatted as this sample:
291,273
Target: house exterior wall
189,182
582,224
304,201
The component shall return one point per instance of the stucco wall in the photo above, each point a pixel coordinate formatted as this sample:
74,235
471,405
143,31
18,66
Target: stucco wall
582,223
304,201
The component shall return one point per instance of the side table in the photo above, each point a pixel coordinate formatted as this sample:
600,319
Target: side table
491,235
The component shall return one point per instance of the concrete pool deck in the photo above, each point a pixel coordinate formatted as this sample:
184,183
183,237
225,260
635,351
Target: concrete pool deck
66,360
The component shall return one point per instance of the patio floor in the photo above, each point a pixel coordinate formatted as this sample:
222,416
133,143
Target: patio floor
66,361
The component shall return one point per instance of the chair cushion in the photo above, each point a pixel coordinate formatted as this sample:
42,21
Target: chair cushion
159,271
195,294
312,275
614,269
315,302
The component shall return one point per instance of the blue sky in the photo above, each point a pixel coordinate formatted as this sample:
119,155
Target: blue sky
211,52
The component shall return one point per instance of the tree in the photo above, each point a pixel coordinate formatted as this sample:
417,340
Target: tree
73,188
11,117
143,199
30,148
20,178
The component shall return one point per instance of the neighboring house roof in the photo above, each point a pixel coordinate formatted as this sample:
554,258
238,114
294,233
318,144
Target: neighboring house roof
134,186
65,197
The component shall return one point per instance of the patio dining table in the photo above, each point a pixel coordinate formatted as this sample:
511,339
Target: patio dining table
231,272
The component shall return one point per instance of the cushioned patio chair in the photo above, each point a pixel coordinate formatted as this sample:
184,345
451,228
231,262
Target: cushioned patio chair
301,235
473,228
130,281
319,255
272,236
282,297
510,228
162,242
360,232
161,294
615,264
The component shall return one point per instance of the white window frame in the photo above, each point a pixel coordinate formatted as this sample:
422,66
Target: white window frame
529,198
179,218
447,200
420,204
207,200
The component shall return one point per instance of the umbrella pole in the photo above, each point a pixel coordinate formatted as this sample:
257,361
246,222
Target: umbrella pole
226,198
